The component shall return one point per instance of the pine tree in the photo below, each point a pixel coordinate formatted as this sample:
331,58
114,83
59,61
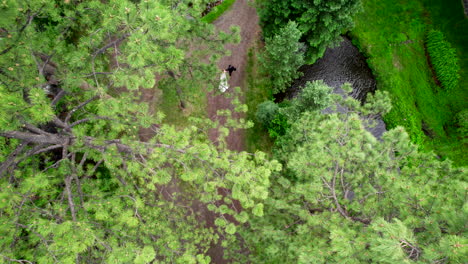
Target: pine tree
76,183
346,197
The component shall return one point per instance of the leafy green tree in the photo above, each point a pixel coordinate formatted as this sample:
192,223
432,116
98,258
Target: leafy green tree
346,197
76,183
321,22
283,56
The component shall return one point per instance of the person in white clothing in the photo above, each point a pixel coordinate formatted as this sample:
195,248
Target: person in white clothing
223,85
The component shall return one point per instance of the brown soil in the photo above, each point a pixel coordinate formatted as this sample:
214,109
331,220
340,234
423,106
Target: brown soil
245,16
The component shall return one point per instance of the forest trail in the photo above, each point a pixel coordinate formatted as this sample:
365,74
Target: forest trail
244,15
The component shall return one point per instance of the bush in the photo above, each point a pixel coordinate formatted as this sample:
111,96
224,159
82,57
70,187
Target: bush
278,126
269,115
266,112
443,59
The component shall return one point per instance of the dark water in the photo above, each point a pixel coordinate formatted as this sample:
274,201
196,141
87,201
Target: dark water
339,65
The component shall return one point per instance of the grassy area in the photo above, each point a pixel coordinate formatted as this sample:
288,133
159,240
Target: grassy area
257,92
217,11
391,33
168,102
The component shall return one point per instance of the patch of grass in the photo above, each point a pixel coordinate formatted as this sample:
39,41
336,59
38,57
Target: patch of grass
392,33
217,11
168,102
257,92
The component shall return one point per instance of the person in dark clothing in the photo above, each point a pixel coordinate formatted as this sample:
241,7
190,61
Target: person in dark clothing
230,69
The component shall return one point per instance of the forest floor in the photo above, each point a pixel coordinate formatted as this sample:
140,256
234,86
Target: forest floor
244,15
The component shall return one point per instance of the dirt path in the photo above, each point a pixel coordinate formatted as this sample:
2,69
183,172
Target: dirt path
244,16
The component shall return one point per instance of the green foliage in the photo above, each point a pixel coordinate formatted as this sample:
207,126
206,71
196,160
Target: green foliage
76,182
320,22
444,59
217,11
278,126
346,197
266,112
401,68
258,91
283,56
462,124
314,96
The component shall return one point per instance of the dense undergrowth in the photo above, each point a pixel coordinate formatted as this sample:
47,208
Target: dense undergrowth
392,35
443,59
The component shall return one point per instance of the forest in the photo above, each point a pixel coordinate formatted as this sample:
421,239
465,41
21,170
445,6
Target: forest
233,131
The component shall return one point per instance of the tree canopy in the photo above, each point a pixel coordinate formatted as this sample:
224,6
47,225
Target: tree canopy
344,196
282,57
320,22
77,185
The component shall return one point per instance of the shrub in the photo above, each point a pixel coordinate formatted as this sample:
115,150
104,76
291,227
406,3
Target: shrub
278,126
266,112
443,59
269,115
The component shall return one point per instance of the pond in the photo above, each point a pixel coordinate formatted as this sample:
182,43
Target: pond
341,64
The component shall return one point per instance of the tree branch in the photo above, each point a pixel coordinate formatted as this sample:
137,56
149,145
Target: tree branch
34,138
84,120
58,97
35,129
79,107
11,158
110,44
28,22
71,204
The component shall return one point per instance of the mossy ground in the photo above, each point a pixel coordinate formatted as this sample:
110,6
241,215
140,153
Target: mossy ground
218,11
391,33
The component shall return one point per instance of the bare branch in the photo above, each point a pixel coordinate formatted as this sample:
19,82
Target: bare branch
111,44
58,97
59,123
79,107
35,129
11,158
71,204
83,159
98,73
84,120
34,138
